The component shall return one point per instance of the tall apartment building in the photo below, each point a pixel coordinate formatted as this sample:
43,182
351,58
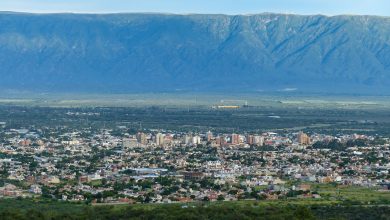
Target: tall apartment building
209,136
141,138
235,138
250,139
259,140
303,138
196,140
159,139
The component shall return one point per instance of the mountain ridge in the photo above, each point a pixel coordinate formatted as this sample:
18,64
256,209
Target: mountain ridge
190,14
136,52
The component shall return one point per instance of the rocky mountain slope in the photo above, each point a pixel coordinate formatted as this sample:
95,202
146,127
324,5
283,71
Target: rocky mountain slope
159,52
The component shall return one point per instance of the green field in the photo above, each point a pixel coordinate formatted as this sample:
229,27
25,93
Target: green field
297,209
337,202
278,100
362,195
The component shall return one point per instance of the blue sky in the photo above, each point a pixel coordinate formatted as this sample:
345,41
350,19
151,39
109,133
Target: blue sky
327,7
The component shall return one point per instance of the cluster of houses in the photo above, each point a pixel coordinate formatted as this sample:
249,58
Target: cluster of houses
167,166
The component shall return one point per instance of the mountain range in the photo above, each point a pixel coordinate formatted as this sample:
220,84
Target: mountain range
119,53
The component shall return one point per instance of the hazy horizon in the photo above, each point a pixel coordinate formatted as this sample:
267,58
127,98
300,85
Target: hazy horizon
229,7
186,14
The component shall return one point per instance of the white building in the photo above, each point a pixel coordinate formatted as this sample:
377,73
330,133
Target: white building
196,140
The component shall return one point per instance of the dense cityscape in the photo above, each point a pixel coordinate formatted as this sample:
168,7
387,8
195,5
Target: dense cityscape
115,166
